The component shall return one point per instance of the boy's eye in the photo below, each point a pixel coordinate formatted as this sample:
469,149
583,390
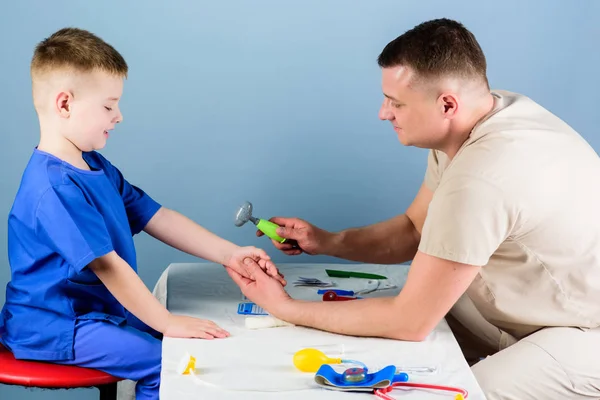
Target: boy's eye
396,105
108,108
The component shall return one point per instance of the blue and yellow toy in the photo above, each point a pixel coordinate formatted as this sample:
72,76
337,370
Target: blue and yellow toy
359,378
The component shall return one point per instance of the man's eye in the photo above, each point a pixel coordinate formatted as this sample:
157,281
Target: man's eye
108,108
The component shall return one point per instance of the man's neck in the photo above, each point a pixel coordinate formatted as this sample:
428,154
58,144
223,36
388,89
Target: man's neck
463,129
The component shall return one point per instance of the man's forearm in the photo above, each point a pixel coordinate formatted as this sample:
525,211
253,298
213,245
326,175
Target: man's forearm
182,233
393,241
365,317
433,285
129,290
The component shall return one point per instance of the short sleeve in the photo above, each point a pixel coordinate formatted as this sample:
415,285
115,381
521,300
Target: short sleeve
433,173
467,220
69,225
140,207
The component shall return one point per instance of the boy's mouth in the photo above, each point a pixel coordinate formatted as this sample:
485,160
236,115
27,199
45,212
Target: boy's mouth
106,133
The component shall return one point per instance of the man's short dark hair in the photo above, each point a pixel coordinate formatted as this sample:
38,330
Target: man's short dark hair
437,48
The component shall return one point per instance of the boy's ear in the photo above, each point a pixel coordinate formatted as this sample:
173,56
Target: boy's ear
63,104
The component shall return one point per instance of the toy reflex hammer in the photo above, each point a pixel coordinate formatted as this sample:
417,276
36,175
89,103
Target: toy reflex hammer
244,214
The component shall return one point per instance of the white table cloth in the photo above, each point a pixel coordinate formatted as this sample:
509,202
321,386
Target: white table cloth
257,364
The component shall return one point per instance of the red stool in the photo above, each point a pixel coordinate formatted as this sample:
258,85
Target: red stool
53,376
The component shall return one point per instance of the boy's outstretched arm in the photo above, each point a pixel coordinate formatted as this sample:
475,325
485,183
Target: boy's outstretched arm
182,233
129,290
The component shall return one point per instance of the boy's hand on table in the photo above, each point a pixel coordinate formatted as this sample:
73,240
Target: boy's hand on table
179,326
244,256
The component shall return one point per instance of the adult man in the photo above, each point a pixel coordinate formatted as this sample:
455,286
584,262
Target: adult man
505,229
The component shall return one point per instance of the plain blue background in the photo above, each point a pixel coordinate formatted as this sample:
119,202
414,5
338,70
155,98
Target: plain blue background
276,102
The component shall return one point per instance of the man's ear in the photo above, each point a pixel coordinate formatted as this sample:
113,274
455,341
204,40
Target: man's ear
63,103
449,104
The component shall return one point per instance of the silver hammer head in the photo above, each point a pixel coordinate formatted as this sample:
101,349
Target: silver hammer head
244,214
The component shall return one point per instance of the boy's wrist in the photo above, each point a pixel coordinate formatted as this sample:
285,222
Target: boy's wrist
163,321
227,254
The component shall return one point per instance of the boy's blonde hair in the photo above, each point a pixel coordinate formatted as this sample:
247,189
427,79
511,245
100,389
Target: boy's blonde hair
75,50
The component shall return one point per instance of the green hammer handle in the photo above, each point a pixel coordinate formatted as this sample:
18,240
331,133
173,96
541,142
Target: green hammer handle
270,229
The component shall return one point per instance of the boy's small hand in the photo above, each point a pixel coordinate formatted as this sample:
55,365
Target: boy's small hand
244,255
180,326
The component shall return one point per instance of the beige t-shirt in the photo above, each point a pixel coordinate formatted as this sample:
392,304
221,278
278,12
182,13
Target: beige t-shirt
522,199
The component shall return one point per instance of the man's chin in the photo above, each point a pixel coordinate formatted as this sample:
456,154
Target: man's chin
403,140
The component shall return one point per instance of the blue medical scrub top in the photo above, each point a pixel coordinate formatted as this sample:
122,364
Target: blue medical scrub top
62,218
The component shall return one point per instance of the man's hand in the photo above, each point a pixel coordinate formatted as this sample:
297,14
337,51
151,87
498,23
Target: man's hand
179,326
241,257
262,289
302,237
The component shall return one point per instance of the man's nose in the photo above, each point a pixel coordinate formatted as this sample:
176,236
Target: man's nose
384,112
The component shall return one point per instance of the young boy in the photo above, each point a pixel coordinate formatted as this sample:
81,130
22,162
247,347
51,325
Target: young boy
75,297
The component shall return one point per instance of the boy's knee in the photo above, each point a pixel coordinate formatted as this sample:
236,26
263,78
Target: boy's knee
145,357
149,370
152,379
152,358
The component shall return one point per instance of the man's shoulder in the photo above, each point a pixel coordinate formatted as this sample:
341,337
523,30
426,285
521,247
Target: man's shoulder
515,112
494,162
506,99
514,134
